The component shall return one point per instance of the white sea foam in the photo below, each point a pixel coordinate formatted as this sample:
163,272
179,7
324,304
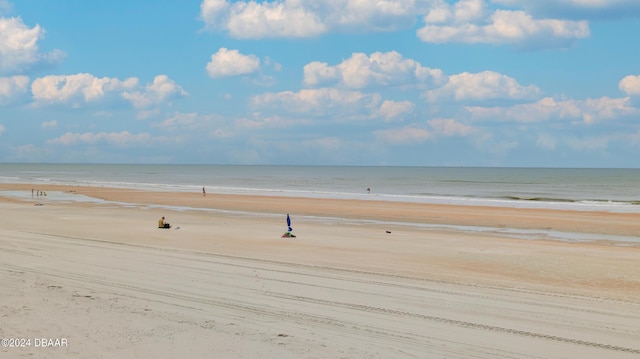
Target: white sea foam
613,190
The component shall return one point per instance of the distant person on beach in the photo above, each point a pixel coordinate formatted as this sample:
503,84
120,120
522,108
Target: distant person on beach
204,193
368,189
163,224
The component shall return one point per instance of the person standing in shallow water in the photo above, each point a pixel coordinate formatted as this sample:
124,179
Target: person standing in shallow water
204,192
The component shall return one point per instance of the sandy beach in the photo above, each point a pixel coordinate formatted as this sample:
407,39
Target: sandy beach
356,282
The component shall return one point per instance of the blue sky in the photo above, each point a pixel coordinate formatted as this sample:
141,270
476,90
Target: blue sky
532,83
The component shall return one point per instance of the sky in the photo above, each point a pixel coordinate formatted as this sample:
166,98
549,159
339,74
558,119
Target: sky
513,83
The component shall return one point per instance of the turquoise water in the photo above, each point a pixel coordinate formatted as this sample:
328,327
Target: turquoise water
579,189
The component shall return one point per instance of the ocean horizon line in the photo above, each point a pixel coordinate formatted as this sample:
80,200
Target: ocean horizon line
315,165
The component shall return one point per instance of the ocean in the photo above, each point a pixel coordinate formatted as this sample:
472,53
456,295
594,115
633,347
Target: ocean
615,190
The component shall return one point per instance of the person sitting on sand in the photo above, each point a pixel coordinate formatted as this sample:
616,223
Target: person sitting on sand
163,224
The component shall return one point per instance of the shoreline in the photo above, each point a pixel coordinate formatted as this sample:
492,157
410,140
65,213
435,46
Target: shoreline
585,222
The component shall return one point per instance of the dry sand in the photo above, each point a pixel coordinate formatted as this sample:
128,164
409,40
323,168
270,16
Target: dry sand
102,279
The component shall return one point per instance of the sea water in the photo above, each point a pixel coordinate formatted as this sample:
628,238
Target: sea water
615,190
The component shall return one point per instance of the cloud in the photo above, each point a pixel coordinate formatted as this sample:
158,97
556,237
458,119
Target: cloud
121,139
320,102
220,127
630,85
605,108
487,85
589,110
12,88
49,124
231,63
541,110
250,19
304,18
407,135
19,47
578,9
188,121
380,69
460,12
2,129
269,122
79,89
395,110
325,102
451,128
161,90
468,22
191,122
76,89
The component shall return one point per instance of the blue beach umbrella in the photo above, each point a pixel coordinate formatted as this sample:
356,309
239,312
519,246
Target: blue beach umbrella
289,223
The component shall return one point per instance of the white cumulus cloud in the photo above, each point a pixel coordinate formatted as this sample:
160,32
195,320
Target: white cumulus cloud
227,62
462,11
630,85
320,102
469,22
19,46
395,110
589,110
306,18
76,89
487,85
250,19
162,89
379,69
605,108
79,89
